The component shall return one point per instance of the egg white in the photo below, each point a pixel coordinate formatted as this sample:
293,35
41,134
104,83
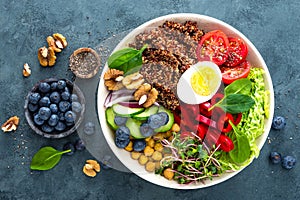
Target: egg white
185,91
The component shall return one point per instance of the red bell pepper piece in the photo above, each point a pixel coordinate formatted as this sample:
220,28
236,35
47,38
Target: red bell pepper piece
238,119
216,98
202,130
225,143
204,108
223,124
205,120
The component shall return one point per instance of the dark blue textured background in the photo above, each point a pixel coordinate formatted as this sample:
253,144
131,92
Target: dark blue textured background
273,27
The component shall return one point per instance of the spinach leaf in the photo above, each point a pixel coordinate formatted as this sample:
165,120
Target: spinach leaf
240,86
46,158
128,60
242,150
236,103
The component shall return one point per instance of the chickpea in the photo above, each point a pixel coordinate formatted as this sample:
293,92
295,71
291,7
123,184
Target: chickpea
135,155
175,128
148,151
143,159
129,146
157,165
167,134
151,142
168,174
147,139
158,136
157,156
150,166
158,147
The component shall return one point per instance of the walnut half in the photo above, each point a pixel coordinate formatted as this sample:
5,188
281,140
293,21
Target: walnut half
91,168
146,95
11,124
46,56
113,79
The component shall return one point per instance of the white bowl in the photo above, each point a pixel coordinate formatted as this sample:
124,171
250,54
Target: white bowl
207,24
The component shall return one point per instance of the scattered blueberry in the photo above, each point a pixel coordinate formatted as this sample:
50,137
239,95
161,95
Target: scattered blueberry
44,87
288,162
53,120
155,121
164,117
64,106
79,145
44,113
61,84
76,107
278,123
70,116
34,98
53,108
74,97
68,146
55,97
275,157
139,145
60,126
32,107
44,102
89,128
37,120
120,120
146,130
122,137
53,86
46,128
65,96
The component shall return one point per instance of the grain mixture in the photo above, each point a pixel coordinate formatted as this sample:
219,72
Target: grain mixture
171,51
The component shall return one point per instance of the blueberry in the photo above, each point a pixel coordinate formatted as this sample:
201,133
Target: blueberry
139,145
89,128
64,106
68,146
44,113
76,107
70,116
65,96
275,157
122,138
288,162
155,121
164,116
74,97
79,145
67,90
44,87
70,123
53,107
146,130
53,120
278,123
37,120
120,120
46,128
106,164
53,86
44,102
60,126
55,97
61,84
33,107
34,98
61,116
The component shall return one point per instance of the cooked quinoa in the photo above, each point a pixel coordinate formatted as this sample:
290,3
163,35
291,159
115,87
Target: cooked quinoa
171,51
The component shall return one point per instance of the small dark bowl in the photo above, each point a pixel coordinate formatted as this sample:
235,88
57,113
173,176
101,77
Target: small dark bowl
56,134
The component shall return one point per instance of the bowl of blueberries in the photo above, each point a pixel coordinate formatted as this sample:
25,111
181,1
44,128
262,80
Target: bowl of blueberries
54,108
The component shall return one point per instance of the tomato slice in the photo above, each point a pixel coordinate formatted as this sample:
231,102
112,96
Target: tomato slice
230,74
237,52
213,46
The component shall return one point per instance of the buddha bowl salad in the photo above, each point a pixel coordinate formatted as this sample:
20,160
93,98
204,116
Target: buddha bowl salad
185,142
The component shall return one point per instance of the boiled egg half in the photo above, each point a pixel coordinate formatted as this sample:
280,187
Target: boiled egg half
199,83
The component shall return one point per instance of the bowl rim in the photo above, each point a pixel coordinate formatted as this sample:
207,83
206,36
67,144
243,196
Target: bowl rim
180,17
37,130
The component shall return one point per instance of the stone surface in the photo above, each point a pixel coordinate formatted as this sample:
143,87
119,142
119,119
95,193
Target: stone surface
272,26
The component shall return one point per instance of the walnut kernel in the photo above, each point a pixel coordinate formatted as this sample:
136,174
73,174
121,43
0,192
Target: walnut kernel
110,77
91,167
147,90
133,81
26,70
60,40
11,124
46,56
51,43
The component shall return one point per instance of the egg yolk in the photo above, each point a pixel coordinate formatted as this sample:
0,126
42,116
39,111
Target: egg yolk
204,81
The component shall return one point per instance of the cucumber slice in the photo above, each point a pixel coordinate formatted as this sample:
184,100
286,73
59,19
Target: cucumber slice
146,113
125,111
170,123
134,126
110,117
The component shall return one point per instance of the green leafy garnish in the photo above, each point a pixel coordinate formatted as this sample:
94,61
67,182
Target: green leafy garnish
128,60
46,158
